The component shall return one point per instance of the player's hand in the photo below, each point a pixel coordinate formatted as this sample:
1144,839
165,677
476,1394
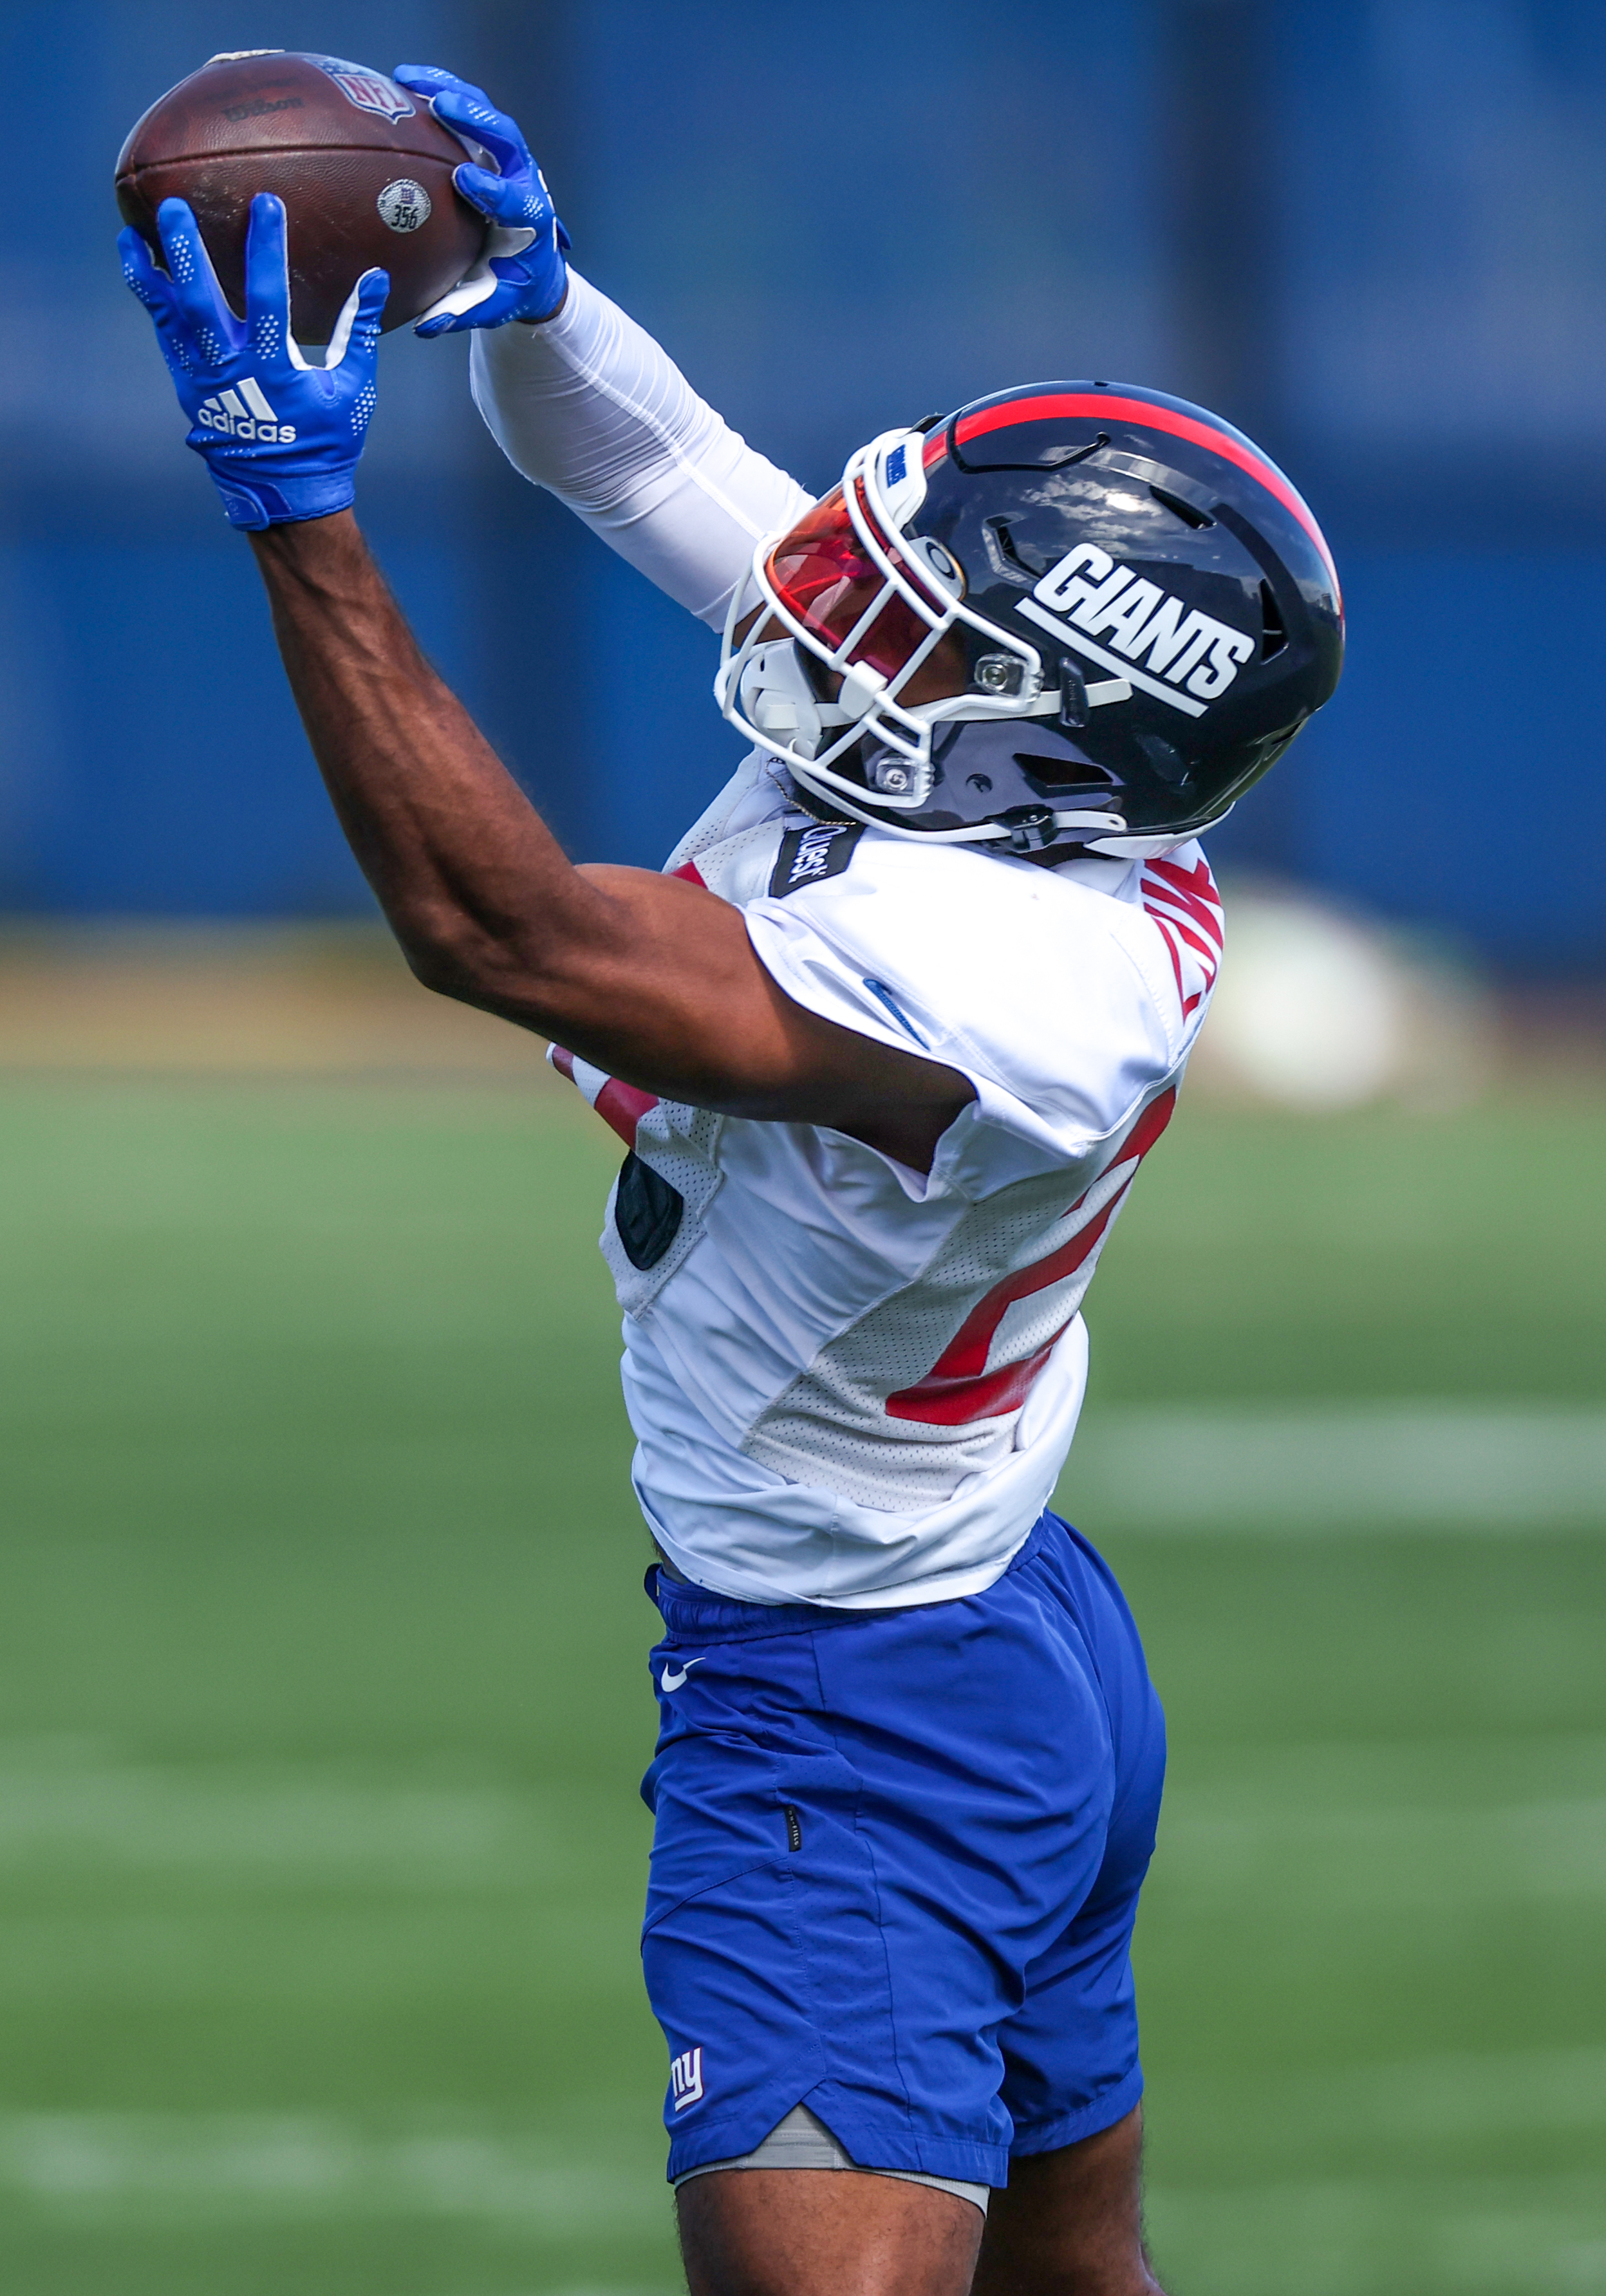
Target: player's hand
522,273
280,437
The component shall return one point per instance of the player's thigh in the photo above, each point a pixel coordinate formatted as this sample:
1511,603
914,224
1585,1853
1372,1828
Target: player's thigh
799,2232
1070,2050
1071,2223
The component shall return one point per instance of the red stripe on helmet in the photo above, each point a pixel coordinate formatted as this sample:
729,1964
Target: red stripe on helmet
1055,404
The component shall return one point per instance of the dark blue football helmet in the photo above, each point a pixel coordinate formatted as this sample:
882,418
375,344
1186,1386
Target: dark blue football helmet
1075,615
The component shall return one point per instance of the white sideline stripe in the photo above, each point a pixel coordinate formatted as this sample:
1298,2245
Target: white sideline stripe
182,2167
1442,1465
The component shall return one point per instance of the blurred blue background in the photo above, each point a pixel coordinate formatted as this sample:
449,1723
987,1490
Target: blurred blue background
1373,233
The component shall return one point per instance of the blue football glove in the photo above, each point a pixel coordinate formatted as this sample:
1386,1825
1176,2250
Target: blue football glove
280,437
522,273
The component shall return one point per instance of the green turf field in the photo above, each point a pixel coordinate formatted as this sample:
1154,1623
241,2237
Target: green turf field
325,1704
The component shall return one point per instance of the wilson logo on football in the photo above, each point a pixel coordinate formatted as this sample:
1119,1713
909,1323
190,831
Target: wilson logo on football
243,414
1092,597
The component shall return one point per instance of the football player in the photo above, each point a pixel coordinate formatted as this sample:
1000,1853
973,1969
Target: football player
887,1043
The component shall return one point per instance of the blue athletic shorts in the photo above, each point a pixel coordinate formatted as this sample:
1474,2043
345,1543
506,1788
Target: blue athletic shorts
896,1864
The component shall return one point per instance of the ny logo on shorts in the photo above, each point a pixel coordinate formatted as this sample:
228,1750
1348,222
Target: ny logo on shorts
686,2080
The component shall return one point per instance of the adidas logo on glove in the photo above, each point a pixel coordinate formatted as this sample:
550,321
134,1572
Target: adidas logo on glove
245,413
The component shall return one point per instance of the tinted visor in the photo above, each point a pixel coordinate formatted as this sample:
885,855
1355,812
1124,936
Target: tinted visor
821,572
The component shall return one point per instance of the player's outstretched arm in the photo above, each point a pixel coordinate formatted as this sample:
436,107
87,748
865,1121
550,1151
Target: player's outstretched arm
580,399
650,977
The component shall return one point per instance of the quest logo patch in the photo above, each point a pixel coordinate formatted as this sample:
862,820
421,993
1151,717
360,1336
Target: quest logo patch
807,856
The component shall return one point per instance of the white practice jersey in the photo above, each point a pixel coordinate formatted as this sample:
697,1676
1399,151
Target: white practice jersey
852,1383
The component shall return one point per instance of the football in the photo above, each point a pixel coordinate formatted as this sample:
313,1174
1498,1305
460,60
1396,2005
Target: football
364,169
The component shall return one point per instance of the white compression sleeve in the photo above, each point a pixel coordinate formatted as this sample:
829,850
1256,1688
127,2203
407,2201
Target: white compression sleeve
587,406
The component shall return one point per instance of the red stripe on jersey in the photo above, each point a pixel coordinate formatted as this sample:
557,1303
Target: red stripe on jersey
1172,951
622,1107
1149,1124
1198,878
959,1387
1168,887
1193,890
1056,404
1190,889
693,875
1206,951
937,1402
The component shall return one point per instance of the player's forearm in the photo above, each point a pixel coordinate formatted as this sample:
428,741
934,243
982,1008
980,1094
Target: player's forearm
478,890
648,977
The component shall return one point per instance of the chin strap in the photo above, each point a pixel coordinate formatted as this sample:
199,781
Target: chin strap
1031,831
1027,829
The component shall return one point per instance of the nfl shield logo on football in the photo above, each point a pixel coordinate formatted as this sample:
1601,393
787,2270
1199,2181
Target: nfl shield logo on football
370,91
